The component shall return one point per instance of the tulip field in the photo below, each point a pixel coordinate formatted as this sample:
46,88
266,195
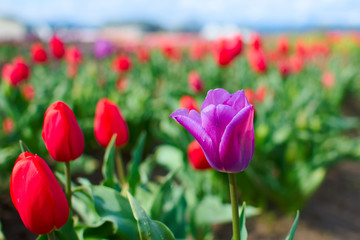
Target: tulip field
173,135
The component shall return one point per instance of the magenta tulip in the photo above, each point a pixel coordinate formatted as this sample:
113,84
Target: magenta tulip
224,129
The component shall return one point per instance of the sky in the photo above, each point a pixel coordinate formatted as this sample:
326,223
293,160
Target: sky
171,14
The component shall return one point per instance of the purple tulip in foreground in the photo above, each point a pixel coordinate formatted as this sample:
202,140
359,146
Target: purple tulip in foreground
224,129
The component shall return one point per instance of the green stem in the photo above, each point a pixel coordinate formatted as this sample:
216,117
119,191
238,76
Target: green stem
21,146
120,168
68,184
51,235
234,205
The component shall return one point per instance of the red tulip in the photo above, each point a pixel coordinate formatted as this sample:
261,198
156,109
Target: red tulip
61,133
73,55
197,157
57,47
226,50
28,92
8,125
255,41
283,45
143,54
16,72
257,60
195,82
250,95
121,63
38,53
328,80
171,52
37,196
188,102
260,94
284,67
108,121
121,84
296,63
71,70
198,50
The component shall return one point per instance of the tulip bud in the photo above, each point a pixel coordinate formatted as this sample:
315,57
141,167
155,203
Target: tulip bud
143,54
28,92
37,196
61,133
197,157
328,80
73,55
188,102
121,63
257,60
38,53
8,125
57,47
108,121
195,82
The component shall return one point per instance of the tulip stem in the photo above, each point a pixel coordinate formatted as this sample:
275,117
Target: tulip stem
68,184
235,206
120,167
51,235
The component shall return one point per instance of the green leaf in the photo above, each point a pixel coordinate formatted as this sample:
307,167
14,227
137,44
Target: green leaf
67,232
291,234
212,211
159,198
243,231
169,157
134,175
108,166
2,237
100,205
148,229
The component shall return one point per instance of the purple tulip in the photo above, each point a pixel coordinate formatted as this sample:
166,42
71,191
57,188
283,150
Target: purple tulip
224,129
103,48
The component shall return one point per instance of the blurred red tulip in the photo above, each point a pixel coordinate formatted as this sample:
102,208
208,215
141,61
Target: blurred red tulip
195,82
283,45
328,80
188,102
296,63
57,47
143,54
257,60
255,41
225,50
22,68
37,196
73,55
8,125
197,157
71,70
16,72
283,67
260,94
61,133
108,121
38,53
171,52
198,50
121,84
121,63
250,95
28,92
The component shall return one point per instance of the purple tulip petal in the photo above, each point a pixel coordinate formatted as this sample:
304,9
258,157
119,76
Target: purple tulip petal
237,100
216,96
190,121
237,144
214,120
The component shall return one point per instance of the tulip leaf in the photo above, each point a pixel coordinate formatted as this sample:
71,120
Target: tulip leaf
291,233
67,232
243,231
212,211
109,164
148,229
159,196
100,205
169,157
134,175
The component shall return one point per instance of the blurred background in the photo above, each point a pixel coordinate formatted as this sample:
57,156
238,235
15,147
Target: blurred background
304,83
